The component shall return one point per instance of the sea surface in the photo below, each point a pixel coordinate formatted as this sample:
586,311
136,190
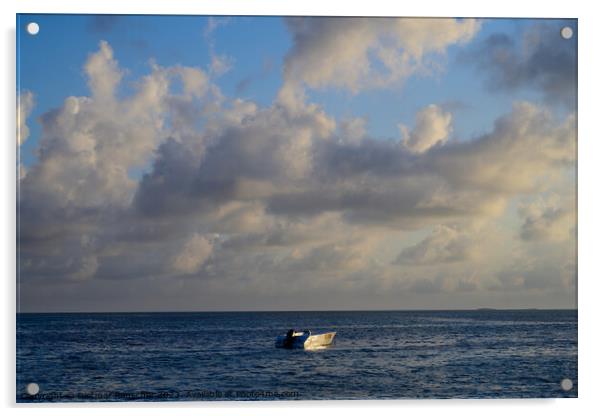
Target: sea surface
231,355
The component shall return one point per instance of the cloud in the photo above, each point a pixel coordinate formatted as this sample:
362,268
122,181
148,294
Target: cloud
383,182
195,80
219,64
25,104
524,148
213,23
360,53
253,152
445,245
177,190
541,60
195,252
235,187
81,183
353,130
103,73
432,127
535,274
548,220
327,258
90,143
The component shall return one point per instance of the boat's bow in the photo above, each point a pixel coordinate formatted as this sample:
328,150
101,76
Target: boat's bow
319,341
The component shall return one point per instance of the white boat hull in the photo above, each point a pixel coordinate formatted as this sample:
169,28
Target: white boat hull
305,340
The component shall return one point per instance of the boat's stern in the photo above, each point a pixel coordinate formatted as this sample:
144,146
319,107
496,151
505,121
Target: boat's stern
296,341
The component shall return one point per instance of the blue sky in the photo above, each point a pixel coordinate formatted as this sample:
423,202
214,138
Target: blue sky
362,163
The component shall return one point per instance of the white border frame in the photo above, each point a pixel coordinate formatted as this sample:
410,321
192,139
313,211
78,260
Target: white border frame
590,206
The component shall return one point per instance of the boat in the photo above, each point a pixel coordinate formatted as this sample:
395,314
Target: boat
304,340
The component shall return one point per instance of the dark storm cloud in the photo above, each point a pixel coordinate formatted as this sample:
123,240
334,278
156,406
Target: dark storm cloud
542,60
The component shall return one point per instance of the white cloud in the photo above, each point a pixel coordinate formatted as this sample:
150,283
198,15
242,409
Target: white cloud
196,82
359,53
432,127
25,103
103,73
220,64
90,143
82,183
522,153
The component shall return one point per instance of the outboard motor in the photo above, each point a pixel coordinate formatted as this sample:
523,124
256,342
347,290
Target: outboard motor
288,341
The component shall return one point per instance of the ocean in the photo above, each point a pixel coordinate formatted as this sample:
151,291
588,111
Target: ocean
231,355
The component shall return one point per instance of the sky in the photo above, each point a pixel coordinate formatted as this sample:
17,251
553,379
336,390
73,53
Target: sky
182,163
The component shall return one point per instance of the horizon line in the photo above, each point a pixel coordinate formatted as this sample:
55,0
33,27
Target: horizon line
308,310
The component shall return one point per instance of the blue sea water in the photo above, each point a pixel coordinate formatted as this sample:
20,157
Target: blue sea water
231,355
